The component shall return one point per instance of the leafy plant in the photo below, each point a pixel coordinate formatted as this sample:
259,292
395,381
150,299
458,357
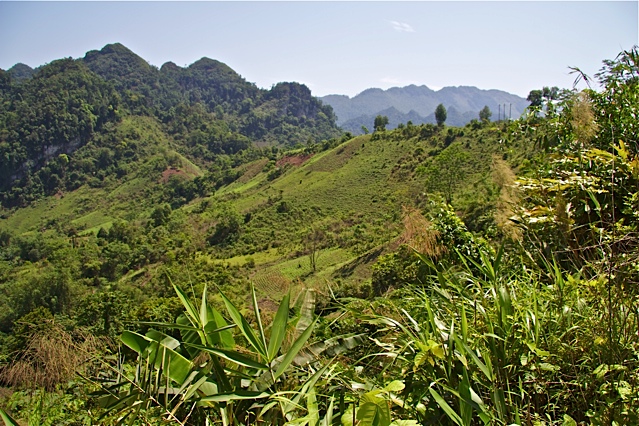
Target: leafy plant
203,369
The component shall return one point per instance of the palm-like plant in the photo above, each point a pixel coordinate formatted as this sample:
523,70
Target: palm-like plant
204,374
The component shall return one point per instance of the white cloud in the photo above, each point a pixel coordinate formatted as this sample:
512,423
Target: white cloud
402,27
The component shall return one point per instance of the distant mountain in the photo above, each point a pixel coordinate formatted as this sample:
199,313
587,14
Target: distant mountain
418,103
395,117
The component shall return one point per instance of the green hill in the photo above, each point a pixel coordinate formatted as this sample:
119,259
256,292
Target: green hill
73,108
320,215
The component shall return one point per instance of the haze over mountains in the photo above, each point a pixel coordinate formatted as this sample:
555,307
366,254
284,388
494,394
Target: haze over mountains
418,103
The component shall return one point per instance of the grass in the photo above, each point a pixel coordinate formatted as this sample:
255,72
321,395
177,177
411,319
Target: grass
362,182
51,209
260,258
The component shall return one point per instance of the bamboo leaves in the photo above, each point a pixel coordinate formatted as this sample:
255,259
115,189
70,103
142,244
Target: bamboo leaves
169,374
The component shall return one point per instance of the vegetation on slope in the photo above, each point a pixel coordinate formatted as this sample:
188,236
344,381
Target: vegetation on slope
465,318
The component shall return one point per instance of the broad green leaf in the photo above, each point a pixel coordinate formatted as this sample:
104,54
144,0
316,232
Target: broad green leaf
368,414
244,327
395,386
186,302
483,367
204,312
437,350
224,329
348,417
546,366
601,371
447,408
278,328
193,336
373,410
622,150
294,349
194,388
158,348
258,319
163,339
236,357
422,357
8,421
307,309
311,404
625,390
568,421
135,341
173,364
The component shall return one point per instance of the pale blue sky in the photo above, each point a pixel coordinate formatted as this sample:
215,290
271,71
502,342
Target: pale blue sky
338,47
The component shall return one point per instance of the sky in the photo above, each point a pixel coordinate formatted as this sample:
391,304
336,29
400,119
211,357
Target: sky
338,47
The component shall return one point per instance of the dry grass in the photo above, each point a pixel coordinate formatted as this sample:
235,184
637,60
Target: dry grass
583,119
419,233
505,178
52,356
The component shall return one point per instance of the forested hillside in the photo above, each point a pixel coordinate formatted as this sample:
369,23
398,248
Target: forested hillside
204,110
178,246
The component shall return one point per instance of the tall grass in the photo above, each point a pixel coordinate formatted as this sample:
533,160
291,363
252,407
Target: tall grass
496,342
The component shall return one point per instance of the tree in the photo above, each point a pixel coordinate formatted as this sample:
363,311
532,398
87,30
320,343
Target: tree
227,229
550,93
440,114
446,172
535,98
485,114
380,123
314,242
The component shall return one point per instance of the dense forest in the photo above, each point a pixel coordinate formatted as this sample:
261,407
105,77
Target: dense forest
206,110
178,246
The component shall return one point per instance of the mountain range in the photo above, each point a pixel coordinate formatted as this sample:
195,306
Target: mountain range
205,110
418,103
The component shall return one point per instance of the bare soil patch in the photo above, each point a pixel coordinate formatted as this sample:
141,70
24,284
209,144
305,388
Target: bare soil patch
166,175
294,160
